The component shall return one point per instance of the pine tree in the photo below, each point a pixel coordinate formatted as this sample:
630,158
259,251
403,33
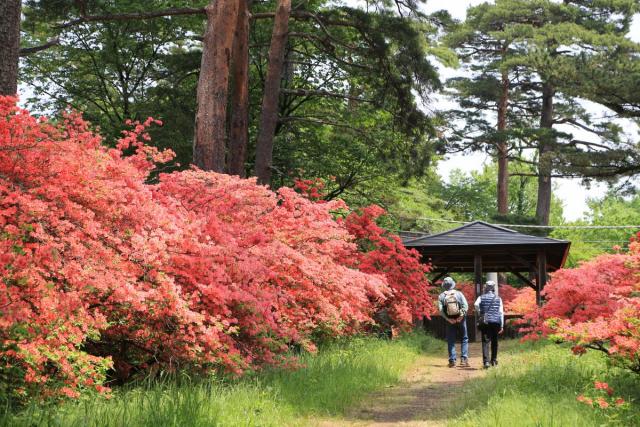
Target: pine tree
550,43
483,46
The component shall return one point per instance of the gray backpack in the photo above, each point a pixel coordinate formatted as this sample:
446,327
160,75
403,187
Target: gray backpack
451,304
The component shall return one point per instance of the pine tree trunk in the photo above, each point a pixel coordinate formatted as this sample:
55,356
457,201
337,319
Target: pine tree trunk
239,129
10,16
269,114
213,85
545,152
503,148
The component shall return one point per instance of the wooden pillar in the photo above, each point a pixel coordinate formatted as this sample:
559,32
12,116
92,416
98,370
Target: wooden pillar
542,275
477,270
533,274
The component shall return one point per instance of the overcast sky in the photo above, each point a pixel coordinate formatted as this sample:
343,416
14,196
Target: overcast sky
571,191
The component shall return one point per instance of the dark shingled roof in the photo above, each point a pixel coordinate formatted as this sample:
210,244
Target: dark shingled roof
502,249
480,233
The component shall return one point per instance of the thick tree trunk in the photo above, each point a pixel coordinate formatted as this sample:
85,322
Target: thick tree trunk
213,85
503,148
239,129
503,159
10,15
545,152
269,114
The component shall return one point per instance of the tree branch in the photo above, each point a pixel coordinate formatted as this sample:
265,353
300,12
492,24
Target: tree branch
628,109
25,51
178,11
575,142
132,16
318,121
307,92
579,125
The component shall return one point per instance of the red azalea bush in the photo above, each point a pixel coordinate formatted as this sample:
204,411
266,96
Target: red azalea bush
508,293
468,289
107,275
521,301
383,253
313,189
595,306
272,264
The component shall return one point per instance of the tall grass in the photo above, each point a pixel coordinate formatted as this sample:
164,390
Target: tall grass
328,383
537,385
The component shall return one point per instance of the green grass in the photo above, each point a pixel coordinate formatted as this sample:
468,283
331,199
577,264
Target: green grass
537,385
328,383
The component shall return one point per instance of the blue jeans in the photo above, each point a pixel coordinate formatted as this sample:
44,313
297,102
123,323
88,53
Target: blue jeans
452,332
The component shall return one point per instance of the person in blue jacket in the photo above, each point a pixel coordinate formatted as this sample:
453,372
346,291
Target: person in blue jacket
453,308
491,318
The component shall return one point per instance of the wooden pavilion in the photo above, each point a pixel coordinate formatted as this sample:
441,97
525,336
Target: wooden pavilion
480,246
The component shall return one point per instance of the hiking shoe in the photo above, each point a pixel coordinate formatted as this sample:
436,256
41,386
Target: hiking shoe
486,366
452,363
494,363
464,363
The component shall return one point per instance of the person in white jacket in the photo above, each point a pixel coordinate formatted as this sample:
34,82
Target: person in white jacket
490,312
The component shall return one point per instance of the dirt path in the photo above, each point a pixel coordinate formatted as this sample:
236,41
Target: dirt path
422,399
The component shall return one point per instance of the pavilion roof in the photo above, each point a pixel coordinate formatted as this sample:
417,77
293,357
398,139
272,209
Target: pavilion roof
502,249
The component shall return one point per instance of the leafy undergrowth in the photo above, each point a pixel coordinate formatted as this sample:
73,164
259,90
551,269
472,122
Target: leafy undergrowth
538,384
339,376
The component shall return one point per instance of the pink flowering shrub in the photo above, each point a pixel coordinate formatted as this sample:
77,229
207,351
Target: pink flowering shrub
107,276
595,306
521,301
383,253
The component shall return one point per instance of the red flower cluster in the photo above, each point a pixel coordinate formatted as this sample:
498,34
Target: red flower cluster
314,189
602,397
595,306
599,385
105,275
